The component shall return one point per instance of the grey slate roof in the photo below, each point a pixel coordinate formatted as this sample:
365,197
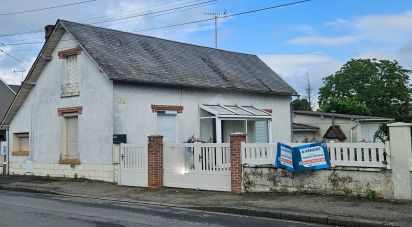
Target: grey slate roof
142,59
14,87
347,116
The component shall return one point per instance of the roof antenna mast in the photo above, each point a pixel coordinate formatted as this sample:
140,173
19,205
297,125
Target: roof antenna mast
216,16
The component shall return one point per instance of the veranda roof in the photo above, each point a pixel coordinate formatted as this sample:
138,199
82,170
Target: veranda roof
235,111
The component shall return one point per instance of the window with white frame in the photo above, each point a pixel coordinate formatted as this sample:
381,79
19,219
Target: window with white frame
166,125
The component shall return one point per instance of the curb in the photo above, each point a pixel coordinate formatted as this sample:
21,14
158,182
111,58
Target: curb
283,215
23,189
295,216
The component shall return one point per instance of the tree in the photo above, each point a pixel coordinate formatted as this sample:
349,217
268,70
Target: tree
382,86
346,106
301,104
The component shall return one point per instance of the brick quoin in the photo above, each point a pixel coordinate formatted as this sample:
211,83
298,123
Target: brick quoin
235,161
155,160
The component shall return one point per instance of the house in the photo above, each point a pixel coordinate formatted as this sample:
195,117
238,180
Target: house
7,93
335,126
90,86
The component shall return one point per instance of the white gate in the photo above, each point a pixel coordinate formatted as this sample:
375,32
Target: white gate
203,166
133,165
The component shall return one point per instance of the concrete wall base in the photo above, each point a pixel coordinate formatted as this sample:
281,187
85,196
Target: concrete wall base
89,171
335,181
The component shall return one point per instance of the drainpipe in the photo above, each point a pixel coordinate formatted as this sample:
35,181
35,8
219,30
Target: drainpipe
8,150
351,131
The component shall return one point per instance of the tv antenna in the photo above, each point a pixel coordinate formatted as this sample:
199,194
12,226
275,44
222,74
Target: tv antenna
217,16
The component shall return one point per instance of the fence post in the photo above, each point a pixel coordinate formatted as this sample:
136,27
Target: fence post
155,162
235,160
401,159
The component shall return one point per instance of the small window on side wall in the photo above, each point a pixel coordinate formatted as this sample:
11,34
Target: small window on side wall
20,144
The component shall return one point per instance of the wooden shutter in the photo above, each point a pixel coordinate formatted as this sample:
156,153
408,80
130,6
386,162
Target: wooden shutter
24,144
72,69
72,135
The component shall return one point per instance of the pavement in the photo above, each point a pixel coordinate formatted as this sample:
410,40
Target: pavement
320,209
34,209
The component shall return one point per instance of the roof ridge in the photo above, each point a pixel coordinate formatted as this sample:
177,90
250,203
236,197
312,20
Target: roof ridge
153,37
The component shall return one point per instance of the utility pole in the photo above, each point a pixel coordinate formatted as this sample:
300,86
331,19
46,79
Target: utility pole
22,74
216,16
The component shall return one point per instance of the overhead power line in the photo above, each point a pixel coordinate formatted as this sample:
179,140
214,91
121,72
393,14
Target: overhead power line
155,12
45,8
190,22
231,15
142,13
11,56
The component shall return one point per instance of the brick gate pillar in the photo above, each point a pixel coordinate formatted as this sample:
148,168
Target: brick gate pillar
155,162
236,160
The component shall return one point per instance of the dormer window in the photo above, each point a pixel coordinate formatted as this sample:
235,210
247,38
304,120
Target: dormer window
70,83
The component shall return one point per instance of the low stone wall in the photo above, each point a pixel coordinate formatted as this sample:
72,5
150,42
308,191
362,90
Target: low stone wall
337,181
93,172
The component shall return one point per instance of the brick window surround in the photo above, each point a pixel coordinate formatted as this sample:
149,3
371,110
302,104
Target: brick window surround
70,110
155,108
268,110
69,52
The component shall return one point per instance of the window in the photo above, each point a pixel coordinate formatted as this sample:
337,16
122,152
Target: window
70,134
166,125
217,122
20,144
71,69
70,84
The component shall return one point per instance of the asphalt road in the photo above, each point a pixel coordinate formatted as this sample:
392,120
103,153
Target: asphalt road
31,209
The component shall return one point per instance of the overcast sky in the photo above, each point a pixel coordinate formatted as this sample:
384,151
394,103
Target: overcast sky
315,37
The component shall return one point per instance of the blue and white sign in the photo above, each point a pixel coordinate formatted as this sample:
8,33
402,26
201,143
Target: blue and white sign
302,158
312,157
284,157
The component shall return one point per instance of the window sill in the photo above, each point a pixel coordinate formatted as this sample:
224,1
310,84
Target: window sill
20,153
69,161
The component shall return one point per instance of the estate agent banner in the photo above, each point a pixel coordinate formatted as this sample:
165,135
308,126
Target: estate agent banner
302,158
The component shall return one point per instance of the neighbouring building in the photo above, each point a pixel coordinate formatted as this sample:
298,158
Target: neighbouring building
90,85
315,126
7,93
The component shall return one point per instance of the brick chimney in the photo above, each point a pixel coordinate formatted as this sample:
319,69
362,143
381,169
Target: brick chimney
48,31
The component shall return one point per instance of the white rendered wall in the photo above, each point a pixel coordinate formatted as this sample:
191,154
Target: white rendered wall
134,116
38,114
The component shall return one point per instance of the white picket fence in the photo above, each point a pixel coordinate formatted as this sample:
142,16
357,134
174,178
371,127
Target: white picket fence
372,155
